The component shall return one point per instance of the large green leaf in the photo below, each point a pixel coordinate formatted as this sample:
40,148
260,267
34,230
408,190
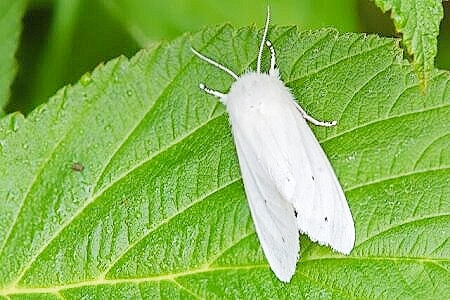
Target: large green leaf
418,21
127,185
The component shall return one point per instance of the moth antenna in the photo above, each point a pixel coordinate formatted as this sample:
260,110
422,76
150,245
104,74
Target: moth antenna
263,41
272,57
214,63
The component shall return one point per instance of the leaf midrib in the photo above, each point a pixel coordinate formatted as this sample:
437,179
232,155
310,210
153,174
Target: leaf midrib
171,277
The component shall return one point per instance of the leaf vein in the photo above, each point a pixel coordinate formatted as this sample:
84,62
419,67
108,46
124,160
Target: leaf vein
336,62
400,224
400,175
164,221
189,291
392,117
364,84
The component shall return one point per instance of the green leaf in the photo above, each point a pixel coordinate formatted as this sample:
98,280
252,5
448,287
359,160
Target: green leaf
11,13
418,21
127,184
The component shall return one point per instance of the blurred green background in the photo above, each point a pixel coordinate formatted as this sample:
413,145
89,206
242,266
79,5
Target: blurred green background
63,39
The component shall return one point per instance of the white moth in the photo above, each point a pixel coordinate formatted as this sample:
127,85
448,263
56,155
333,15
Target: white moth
288,180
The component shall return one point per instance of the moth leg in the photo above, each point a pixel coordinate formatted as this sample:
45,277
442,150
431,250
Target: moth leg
314,121
217,94
274,72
